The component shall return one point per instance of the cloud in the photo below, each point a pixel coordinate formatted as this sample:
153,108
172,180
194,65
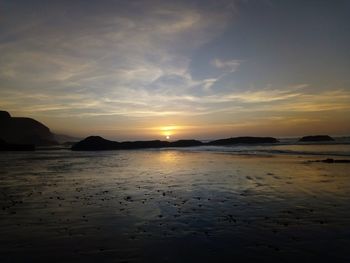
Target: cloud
164,102
227,65
132,60
108,52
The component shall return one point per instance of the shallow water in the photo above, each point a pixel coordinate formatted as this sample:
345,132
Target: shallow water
327,149
172,206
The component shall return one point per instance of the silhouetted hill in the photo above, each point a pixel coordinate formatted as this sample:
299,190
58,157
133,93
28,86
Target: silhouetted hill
316,138
97,143
243,140
19,130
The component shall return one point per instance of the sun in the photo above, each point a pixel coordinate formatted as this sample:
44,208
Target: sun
168,131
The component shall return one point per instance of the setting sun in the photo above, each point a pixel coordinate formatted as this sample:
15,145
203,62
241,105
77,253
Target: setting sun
168,131
129,129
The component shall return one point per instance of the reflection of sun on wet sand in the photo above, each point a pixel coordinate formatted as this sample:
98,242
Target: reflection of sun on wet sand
172,205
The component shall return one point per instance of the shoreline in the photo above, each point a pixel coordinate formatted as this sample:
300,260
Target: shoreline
143,204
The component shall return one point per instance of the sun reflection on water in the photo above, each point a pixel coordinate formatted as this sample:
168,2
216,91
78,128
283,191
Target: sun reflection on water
168,157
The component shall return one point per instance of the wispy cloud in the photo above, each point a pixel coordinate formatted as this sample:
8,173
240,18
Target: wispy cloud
227,65
133,61
108,54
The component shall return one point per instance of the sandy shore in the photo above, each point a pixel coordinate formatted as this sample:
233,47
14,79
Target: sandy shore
171,206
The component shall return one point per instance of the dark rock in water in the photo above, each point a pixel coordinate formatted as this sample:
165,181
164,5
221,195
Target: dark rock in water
15,147
185,143
158,144
243,140
97,143
15,130
330,160
316,138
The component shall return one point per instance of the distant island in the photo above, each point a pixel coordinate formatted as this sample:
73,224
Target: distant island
316,138
243,140
23,134
97,143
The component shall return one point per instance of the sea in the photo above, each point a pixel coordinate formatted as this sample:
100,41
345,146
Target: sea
267,203
286,146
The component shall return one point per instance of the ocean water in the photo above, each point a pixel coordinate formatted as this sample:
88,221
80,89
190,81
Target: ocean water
340,147
209,204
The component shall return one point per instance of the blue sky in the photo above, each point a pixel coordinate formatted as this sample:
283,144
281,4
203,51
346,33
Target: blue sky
193,69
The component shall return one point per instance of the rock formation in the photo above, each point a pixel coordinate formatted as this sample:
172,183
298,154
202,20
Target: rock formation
97,143
243,140
316,138
4,146
19,130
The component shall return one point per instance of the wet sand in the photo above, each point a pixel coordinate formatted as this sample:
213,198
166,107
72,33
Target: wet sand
172,206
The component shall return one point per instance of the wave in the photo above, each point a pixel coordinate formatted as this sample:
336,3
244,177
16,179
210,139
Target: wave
341,150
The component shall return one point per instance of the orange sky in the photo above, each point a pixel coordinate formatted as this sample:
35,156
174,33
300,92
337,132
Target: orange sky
206,69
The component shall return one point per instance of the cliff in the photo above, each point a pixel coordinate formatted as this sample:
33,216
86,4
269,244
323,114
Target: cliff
20,130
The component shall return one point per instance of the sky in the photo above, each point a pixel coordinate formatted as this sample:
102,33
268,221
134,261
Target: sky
185,69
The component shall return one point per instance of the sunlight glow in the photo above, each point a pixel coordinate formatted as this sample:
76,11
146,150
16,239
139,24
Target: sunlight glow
168,131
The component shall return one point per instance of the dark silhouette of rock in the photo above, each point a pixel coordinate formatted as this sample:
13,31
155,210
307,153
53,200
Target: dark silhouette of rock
15,147
4,115
316,138
330,160
186,143
97,143
19,130
243,140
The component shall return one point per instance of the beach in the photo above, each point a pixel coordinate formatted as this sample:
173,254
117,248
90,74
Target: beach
173,205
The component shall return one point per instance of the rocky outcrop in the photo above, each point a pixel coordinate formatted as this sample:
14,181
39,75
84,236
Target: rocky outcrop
4,146
186,143
20,130
316,138
331,160
97,143
4,115
243,140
